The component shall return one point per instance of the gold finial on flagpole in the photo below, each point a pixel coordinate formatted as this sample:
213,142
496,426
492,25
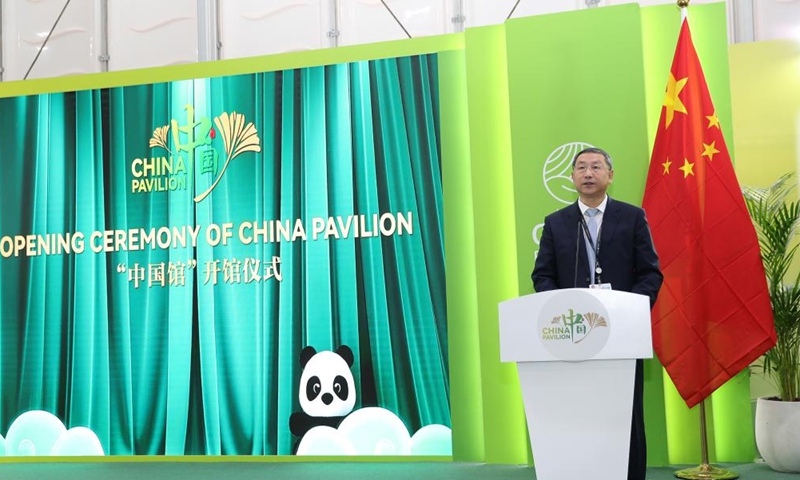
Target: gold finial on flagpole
684,6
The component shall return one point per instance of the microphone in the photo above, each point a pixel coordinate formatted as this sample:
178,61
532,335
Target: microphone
577,249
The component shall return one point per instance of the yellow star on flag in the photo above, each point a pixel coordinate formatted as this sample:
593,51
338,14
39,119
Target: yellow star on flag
709,151
672,100
666,166
713,121
687,168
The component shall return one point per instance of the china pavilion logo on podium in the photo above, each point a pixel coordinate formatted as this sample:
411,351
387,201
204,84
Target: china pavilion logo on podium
574,326
187,156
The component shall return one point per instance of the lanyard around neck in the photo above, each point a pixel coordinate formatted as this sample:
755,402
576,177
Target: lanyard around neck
595,247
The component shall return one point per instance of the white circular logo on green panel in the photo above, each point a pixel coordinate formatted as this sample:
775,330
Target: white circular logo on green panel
574,326
557,171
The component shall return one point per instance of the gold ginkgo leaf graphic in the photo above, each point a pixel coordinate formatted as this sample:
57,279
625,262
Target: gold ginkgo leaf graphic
595,320
238,136
160,138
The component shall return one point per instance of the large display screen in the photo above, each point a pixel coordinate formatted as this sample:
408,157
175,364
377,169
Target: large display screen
241,265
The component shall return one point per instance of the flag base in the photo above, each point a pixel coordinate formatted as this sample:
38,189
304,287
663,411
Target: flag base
706,471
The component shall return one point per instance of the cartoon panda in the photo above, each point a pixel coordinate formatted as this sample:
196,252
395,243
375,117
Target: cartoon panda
327,389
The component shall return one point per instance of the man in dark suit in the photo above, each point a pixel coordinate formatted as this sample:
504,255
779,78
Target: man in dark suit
602,243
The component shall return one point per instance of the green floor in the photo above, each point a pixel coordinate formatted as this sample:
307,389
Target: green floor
302,471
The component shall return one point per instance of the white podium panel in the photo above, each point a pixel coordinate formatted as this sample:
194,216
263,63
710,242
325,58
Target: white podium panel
545,326
576,352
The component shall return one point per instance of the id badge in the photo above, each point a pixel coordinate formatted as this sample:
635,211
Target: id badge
601,286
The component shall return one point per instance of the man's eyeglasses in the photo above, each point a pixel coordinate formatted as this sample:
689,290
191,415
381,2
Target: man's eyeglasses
595,168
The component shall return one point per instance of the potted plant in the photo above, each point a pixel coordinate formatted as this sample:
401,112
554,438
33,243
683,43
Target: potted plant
776,219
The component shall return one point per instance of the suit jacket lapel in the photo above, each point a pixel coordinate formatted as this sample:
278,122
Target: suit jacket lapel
574,213
610,222
573,218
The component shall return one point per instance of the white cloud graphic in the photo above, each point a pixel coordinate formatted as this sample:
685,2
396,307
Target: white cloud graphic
37,432
375,431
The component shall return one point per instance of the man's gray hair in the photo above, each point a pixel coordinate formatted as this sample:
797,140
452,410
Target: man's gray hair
602,152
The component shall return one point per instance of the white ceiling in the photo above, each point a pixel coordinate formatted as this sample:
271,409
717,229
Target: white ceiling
99,35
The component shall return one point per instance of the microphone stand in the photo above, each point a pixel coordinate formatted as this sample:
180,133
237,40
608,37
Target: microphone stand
577,249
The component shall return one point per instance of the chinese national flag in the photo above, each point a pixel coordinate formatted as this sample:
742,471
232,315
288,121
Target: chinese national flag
713,315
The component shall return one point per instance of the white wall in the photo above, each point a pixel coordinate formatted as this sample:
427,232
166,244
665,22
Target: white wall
100,35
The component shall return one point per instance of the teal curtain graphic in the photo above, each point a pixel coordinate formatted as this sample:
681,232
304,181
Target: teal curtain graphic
194,348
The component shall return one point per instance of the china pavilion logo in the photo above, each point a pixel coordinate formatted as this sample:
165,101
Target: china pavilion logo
190,149
573,327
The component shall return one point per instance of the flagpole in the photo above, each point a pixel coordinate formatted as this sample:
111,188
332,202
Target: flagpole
705,471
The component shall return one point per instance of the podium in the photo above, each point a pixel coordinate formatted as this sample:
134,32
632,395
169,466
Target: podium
576,352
